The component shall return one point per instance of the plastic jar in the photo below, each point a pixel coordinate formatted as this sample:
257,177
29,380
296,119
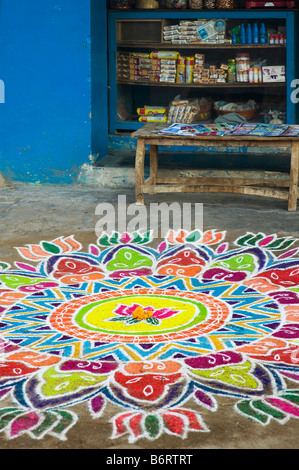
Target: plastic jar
195,4
209,4
242,67
231,73
225,4
177,4
121,4
146,4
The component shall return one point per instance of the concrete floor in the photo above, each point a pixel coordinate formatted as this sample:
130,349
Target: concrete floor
31,213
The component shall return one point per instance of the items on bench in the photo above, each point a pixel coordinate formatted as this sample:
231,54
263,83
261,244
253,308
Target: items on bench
151,135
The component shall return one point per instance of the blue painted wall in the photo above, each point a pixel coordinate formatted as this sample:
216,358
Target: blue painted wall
46,130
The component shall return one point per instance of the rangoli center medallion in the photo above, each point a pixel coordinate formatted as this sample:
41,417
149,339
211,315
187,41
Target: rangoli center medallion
180,315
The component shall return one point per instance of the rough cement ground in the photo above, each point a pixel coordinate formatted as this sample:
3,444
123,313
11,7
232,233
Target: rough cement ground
3,182
30,213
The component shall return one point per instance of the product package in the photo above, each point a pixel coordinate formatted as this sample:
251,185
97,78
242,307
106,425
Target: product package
211,29
152,119
274,73
292,131
151,111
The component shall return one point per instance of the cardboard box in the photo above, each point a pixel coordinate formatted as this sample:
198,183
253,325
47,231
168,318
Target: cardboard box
274,73
211,29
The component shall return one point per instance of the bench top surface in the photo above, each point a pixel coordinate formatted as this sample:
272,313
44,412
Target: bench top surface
150,131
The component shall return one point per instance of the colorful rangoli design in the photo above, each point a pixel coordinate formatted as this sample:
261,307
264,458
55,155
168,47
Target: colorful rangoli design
149,329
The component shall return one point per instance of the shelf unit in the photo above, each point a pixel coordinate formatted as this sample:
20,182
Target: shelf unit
289,17
202,46
202,85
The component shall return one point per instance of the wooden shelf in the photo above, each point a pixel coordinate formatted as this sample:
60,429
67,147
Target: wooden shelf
205,10
165,45
126,35
204,85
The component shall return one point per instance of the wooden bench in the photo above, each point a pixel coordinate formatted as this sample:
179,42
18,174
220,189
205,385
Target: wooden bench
268,187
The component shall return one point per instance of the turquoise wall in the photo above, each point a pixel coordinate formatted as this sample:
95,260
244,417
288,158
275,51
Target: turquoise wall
47,130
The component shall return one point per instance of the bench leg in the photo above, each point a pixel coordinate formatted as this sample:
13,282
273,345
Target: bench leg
154,163
139,171
294,172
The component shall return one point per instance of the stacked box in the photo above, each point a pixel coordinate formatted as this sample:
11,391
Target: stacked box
152,114
168,67
156,66
189,32
168,70
137,67
168,61
123,65
199,62
222,73
208,75
143,68
171,33
148,69
183,33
